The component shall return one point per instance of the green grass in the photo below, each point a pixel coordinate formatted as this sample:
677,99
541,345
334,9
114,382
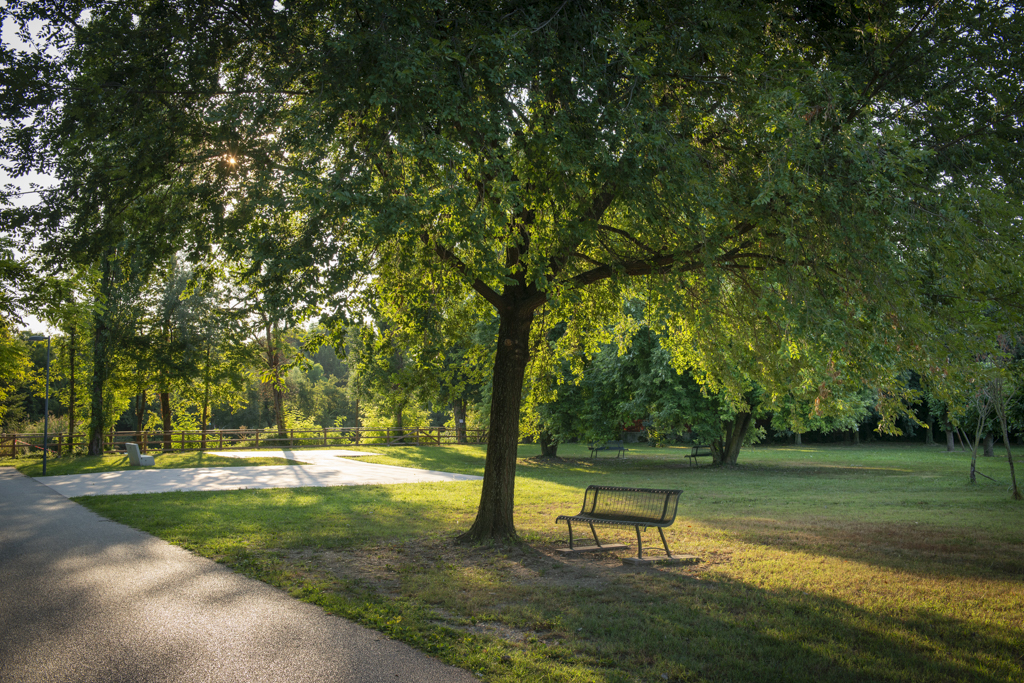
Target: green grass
83,464
876,563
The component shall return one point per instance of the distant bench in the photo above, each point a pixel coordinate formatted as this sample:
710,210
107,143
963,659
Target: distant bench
699,452
618,506
618,446
135,457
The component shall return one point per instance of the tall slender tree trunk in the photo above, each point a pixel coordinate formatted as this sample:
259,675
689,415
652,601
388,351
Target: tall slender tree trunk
494,518
274,361
1001,413
459,413
206,398
101,360
950,438
140,414
929,434
165,416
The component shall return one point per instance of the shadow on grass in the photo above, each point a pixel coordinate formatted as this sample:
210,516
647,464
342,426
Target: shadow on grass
723,629
606,622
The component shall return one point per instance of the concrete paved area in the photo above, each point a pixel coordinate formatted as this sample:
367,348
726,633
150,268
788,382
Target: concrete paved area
87,600
325,468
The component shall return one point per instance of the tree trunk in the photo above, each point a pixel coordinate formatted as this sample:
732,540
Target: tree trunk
140,414
929,434
855,434
1001,413
459,411
165,416
494,517
798,439
274,361
101,360
206,398
548,446
950,441
989,446
728,449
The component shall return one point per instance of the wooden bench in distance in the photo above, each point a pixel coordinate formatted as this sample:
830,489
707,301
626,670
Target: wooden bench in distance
619,506
699,452
618,446
135,457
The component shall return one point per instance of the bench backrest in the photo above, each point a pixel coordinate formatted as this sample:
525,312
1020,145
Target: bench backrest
133,453
657,506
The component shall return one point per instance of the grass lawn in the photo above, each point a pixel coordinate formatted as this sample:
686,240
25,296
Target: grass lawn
83,464
870,563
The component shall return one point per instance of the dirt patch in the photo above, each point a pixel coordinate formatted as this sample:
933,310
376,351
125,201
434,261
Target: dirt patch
487,590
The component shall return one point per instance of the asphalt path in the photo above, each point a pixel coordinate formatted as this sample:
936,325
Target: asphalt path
323,468
84,599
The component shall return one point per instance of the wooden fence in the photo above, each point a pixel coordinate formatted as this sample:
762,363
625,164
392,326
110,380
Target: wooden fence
14,445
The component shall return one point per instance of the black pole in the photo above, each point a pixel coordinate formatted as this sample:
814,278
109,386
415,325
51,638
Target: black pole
46,407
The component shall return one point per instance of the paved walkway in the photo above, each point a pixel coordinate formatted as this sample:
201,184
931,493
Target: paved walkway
325,468
87,600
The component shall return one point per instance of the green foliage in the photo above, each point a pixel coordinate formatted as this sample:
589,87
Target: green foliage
14,369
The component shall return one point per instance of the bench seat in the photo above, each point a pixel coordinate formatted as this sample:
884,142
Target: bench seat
621,506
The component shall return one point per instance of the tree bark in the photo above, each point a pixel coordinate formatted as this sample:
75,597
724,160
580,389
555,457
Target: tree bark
459,413
165,416
929,434
101,360
989,446
950,440
1001,413
494,517
728,449
798,439
206,398
548,446
140,413
274,361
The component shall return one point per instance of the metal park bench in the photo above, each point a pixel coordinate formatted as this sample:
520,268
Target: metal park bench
699,452
618,506
618,446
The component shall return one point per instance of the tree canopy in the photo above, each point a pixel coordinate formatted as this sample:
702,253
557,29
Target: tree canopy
804,194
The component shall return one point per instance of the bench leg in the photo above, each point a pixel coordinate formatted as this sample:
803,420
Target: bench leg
570,534
667,551
594,531
639,543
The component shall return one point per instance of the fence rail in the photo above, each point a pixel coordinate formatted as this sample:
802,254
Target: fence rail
22,444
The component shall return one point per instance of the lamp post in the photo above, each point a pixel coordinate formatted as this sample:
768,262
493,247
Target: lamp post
46,405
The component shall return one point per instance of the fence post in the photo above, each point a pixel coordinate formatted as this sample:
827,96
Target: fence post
257,440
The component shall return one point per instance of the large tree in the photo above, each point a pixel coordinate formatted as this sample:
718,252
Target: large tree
780,178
